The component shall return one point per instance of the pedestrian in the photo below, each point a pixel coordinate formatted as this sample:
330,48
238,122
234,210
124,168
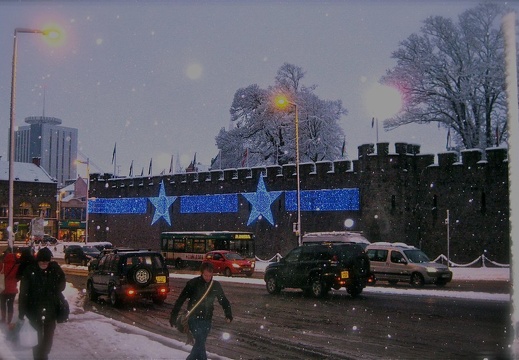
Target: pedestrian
40,290
10,267
201,292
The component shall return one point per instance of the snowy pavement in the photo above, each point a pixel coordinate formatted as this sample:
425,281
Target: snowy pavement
88,335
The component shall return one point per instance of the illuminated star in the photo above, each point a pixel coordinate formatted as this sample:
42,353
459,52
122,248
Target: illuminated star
261,201
162,204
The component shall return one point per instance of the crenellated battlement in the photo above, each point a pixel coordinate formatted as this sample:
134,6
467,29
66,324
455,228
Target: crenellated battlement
403,196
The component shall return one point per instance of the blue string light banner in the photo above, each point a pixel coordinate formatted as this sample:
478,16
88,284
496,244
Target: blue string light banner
260,203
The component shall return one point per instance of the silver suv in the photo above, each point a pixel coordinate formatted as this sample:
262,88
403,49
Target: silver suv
396,262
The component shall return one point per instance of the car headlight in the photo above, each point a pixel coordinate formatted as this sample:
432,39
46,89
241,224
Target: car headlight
236,266
431,269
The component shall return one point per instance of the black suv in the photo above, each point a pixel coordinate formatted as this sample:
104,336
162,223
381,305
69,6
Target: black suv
125,275
318,268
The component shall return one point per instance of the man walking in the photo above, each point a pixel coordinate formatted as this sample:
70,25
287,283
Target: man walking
201,292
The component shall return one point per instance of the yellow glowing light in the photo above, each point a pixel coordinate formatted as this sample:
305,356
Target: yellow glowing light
54,34
281,101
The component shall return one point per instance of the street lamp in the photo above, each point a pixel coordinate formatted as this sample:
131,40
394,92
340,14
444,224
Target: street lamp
49,33
87,163
281,102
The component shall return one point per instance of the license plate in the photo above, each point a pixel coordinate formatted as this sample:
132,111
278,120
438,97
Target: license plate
345,274
446,276
160,279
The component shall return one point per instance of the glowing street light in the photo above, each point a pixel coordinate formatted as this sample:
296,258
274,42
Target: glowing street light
87,163
281,102
53,34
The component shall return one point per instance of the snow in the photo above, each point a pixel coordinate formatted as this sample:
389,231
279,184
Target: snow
105,338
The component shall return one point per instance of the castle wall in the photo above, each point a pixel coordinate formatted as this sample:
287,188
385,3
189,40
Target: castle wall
404,196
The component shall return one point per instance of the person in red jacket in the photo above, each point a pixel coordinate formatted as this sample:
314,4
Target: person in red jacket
10,267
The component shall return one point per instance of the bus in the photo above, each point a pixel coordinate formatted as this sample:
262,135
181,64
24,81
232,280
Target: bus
183,249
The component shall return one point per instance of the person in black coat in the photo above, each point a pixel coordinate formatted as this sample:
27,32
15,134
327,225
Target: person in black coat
40,290
200,319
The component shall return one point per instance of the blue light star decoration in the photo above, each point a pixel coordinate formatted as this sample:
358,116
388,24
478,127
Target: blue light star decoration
261,201
162,204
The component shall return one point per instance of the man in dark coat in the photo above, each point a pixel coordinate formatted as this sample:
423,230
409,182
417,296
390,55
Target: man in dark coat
200,319
40,288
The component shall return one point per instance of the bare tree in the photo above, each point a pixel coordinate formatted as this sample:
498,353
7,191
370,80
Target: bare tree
264,135
453,74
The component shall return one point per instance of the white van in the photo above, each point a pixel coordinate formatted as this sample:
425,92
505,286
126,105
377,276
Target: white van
394,262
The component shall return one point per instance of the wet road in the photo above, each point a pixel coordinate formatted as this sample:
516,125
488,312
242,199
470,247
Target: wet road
372,326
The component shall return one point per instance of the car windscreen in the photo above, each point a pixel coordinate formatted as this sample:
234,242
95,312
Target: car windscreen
90,250
233,256
416,256
151,260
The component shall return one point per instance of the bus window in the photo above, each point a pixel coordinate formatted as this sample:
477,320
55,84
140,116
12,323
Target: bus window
179,245
199,246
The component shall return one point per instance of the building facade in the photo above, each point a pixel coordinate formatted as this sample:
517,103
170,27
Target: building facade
402,196
55,145
34,195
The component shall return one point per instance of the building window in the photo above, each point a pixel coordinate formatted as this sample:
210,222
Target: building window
45,209
25,209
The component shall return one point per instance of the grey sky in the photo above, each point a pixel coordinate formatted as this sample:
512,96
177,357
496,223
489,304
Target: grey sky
158,78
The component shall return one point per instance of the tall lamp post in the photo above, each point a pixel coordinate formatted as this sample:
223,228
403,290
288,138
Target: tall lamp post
12,123
87,163
281,101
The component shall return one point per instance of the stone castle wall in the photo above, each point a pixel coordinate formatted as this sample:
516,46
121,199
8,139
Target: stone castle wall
403,196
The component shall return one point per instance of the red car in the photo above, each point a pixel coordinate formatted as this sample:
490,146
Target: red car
229,263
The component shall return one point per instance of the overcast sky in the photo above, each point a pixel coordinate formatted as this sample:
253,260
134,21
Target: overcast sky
158,77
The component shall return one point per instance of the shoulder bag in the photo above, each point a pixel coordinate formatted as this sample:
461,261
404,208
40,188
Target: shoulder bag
62,309
182,319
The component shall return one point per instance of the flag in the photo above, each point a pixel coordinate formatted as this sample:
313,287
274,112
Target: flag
448,145
245,158
113,154
131,170
372,122
178,168
343,147
149,170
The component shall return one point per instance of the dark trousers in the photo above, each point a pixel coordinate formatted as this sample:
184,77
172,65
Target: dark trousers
45,331
200,329
6,306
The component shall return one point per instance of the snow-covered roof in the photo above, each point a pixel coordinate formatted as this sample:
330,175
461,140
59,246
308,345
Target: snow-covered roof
27,172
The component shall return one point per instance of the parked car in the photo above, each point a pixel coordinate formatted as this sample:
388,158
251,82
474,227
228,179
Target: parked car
229,263
80,254
395,262
318,268
129,274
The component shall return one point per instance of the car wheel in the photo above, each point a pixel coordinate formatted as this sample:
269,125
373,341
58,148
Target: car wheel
114,299
272,285
317,288
140,275
92,295
417,280
354,290
179,264
227,272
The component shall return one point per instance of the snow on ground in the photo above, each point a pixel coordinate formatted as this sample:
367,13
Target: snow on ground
104,338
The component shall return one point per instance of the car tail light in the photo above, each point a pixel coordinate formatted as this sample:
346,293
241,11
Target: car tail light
130,292
163,290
